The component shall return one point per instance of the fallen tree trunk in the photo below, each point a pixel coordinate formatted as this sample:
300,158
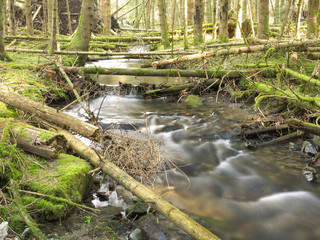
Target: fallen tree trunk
34,140
169,211
305,126
302,77
305,102
170,72
49,114
235,51
255,132
282,138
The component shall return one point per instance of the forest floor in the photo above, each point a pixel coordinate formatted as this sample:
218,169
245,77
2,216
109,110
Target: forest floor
276,94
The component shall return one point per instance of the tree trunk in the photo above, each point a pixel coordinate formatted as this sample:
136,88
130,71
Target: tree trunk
34,140
198,21
163,23
3,54
245,9
107,17
299,10
239,20
214,20
53,30
81,38
69,17
29,22
182,220
263,24
313,7
148,14
50,15
185,35
12,21
4,13
49,114
190,12
277,11
305,126
45,18
223,26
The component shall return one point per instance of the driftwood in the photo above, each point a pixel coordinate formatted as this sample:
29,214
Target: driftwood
234,51
49,114
304,126
170,72
282,138
169,211
40,142
252,133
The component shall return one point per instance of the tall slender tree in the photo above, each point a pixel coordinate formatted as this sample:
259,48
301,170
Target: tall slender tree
190,12
299,10
223,27
12,18
263,23
82,36
313,8
185,35
239,20
3,54
29,22
163,23
198,21
214,20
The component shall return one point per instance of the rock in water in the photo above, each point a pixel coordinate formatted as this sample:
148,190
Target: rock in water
3,230
308,148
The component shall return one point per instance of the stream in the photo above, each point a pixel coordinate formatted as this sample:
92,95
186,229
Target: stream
234,192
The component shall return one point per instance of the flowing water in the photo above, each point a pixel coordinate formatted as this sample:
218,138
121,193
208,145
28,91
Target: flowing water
236,193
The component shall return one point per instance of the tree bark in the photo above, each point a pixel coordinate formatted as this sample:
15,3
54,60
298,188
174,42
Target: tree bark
34,140
69,17
298,22
3,54
50,15
163,23
305,126
4,13
107,17
53,32
313,8
45,18
12,21
263,24
190,12
185,32
49,114
29,22
82,36
198,21
183,221
214,20
223,26
239,20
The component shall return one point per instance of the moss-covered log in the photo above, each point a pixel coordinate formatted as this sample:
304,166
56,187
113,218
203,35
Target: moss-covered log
305,126
239,50
302,77
305,102
49,114
169,211
171,72
34,140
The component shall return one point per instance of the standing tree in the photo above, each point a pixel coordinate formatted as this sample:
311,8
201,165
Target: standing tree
214,20
299,10
3,54
29,22
185,35
286,18
82,35
223,27
239,20
45,18
53,31
263,23
313,8
190,12
198,21
163,23
12,22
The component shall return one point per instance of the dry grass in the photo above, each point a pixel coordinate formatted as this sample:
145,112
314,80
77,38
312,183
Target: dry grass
142,159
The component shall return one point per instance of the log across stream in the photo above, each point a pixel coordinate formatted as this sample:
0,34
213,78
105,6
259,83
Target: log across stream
236,192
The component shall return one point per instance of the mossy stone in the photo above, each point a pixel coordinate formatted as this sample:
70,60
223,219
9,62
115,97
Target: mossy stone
193,101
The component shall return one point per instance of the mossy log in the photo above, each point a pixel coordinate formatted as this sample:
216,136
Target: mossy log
305,102
34,140
302,77
305,126
170,72
230,51
169,211
282,138
256,132
49,114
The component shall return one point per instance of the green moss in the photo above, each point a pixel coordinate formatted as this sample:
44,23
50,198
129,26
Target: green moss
193,101
6,112
46,135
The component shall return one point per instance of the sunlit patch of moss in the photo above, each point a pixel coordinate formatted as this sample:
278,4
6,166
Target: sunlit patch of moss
6,112
193,101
